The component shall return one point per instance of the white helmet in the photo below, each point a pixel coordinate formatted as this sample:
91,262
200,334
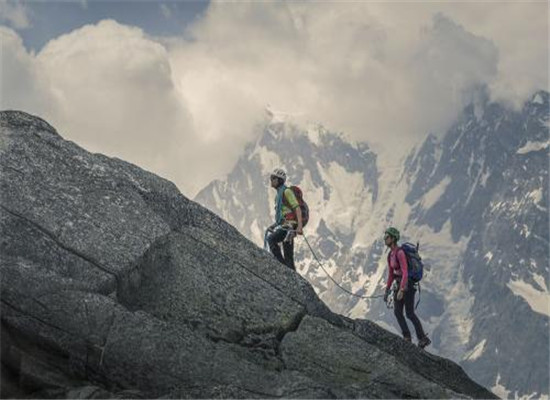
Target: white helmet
279,173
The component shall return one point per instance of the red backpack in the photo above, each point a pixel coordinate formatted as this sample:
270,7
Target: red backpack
303,205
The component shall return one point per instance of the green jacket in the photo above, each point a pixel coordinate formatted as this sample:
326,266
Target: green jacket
284,210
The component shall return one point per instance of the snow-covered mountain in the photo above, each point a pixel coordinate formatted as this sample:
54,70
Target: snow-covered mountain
475,197
485,184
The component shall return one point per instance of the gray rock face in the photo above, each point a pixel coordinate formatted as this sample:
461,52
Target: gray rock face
116,285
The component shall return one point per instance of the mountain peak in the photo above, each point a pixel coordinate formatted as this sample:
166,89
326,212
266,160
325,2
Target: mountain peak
540,98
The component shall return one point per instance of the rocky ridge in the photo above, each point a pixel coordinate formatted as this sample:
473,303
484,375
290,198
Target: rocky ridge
116,285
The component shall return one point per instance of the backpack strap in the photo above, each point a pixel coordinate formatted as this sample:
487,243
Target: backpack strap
285,201
279,204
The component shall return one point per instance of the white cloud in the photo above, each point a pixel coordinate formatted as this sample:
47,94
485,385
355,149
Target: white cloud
114,93
519,30
447,67
22,85
110,89
14,13
386,73
382,72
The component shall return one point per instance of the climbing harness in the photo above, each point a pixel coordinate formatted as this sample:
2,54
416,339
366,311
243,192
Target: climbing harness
290,234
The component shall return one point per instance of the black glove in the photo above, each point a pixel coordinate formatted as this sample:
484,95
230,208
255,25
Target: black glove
386,295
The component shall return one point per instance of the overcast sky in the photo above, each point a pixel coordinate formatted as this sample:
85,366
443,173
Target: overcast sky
177,87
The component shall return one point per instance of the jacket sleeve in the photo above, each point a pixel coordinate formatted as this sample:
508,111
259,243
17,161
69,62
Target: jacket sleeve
404,268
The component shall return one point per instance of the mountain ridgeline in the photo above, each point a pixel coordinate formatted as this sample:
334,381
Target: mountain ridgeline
115,285
474,197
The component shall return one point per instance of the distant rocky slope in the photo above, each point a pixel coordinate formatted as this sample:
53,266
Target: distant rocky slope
116,285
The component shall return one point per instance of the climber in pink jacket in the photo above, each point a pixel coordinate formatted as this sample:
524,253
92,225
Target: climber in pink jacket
404,297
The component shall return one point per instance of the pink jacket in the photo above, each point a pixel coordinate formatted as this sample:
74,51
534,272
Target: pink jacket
397,269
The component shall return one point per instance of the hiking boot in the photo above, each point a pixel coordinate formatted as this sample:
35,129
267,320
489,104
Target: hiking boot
425,341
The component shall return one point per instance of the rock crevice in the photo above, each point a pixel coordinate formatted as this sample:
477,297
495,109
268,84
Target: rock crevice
60,244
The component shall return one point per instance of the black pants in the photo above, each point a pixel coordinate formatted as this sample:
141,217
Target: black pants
274,239
408,303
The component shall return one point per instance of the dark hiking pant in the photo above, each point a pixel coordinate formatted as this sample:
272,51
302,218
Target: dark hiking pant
408,303
274,240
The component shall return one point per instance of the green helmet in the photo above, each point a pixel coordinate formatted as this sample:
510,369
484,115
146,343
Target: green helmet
393,233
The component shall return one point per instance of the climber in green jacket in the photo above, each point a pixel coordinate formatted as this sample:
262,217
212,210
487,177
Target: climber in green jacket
288,220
